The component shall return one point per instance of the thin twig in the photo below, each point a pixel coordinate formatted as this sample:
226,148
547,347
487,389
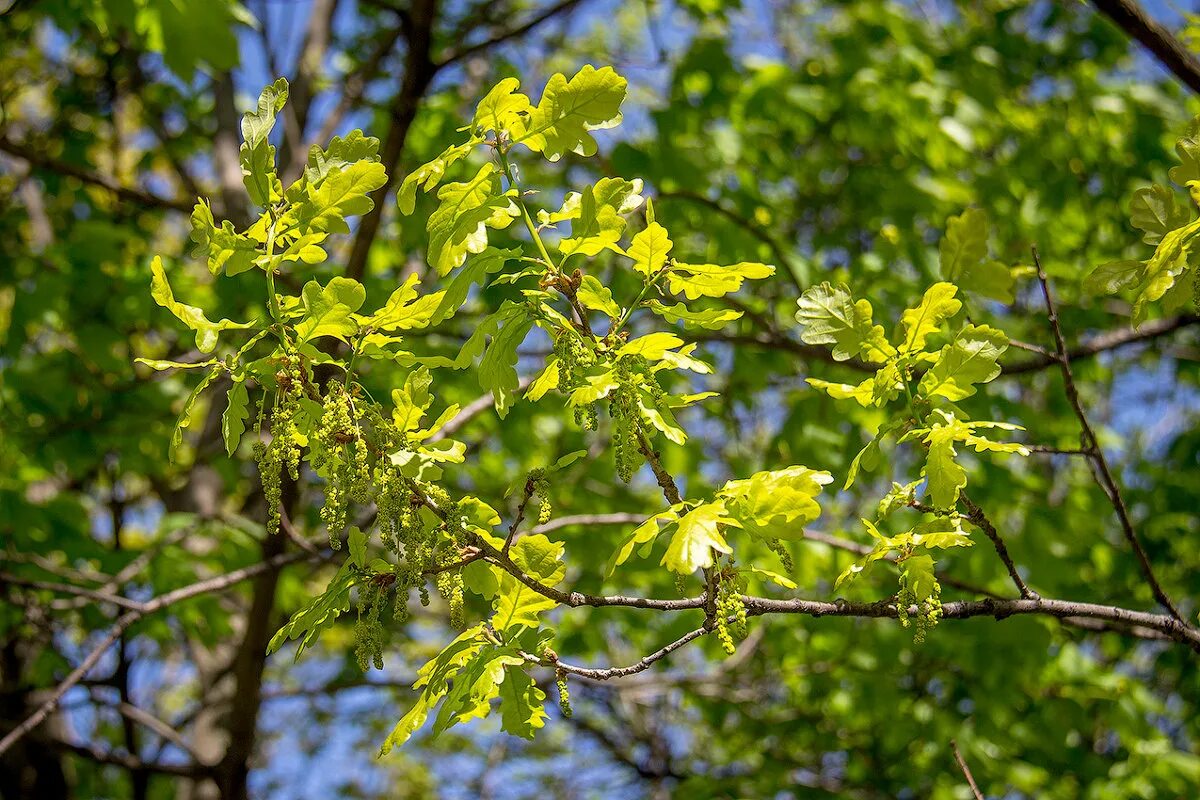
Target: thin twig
472,410
526,494
966,771
1092,444
66,588
153,724
976,515
1104,342
1061,451
587,520
128,619
641,665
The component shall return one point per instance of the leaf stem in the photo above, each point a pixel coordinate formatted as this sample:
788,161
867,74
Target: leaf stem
512,182
637,301
272,298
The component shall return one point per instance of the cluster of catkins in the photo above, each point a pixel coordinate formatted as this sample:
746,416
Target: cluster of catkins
368,630
350,446
777,547
283,452
626,416
729,604
574,357
929,610
340,449
541,487
632,373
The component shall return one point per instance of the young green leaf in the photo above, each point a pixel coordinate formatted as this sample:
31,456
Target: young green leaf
568,110
643,534
356,543
501,108
965,243
598,297
497,370
345,192
597,217
159,364
207,331
777,504
233,419
710,319
522,711
329,309
459,225
185,416
649,249
830,315
1115,276
937,306
696,536
340,154
972,358
652,346
257,154
517,604
429,175
223,247
710,280
319,614
405,309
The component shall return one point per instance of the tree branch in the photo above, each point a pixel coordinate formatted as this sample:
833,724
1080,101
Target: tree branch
509,33
616,518
641,665
1155,37
66,588
130,762
419,70
976,515
472,410
37,158
1104,342
128,619
1000,609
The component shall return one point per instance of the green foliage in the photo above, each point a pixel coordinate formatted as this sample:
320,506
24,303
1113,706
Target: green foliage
963,258
309,367
839,147
1169,275
364,456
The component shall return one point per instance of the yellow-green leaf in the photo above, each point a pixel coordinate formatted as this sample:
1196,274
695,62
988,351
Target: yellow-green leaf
937,306
329,310
649,249
568,110
830,315
206,330
711,280
972,358
696,536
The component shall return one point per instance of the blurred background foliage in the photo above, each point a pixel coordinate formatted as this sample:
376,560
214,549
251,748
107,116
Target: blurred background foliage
832,139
